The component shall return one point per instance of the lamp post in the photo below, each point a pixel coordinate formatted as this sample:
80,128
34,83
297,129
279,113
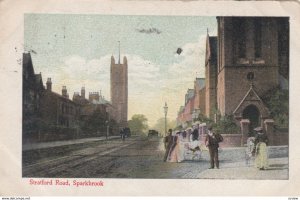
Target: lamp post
166,112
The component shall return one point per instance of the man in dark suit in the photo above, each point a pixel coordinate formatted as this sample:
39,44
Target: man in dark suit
212,142
168,141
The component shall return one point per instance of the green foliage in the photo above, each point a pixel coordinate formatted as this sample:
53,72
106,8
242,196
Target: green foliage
226,125
160,125
202,118
95,124
138,124
277,101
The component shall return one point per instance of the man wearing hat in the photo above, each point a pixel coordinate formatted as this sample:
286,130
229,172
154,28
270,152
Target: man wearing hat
168,141
261,141
212,142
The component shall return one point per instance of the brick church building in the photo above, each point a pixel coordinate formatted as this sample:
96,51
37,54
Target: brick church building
248,58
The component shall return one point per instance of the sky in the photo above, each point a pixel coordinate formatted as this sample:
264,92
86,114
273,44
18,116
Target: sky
75,51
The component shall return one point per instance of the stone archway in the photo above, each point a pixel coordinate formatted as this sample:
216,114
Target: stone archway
252,113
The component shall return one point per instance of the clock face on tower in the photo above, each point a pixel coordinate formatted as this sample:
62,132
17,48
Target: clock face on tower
250,76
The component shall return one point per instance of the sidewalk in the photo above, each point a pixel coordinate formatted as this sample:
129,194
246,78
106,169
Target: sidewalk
278,169
43,145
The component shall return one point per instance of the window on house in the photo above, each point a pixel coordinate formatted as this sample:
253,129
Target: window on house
62,108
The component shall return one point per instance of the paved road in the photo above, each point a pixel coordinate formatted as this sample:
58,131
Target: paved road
134,158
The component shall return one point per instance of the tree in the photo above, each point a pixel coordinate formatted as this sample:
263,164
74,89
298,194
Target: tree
138,124
277,101
95,123
226,125
160,125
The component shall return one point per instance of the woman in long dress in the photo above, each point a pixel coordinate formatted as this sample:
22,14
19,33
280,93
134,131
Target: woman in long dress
261,154
173,153
183,142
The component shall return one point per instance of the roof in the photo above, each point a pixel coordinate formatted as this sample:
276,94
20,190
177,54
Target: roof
252,98
80,100
200,82
190,93
56,95
30,79
181,109
101,101
27,63
211,49
39,81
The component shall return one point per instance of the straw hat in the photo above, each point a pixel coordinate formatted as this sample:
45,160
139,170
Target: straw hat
258,128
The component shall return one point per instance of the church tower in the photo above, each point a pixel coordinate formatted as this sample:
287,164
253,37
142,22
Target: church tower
252,56
119,89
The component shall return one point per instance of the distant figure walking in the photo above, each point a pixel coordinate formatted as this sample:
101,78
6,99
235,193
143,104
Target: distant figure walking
261,154
212,142
168,141
122,134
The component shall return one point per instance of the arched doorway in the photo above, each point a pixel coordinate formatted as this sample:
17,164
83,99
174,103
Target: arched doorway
251,112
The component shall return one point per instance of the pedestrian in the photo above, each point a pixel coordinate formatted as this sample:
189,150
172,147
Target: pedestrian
189,133
212,142
183,144
250,149
122,134
174,154
168,144
194,134
261,141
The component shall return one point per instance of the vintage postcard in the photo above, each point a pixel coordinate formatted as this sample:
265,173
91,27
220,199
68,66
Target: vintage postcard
113,95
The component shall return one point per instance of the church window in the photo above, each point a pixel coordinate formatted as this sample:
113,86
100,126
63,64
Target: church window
241,38
257,37
250,76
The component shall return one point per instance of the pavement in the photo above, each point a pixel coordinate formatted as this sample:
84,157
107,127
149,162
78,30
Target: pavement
278,167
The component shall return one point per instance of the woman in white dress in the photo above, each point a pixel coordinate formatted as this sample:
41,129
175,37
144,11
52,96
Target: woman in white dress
261,150
183,142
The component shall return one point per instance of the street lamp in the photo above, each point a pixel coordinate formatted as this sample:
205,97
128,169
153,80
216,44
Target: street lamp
166,112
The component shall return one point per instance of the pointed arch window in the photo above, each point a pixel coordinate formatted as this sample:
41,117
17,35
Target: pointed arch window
258,37
241,38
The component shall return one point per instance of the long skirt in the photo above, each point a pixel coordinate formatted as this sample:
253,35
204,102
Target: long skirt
261,159
181,152
173,155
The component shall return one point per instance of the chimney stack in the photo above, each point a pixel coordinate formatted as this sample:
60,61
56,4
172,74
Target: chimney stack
83,92
49,84
64,92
